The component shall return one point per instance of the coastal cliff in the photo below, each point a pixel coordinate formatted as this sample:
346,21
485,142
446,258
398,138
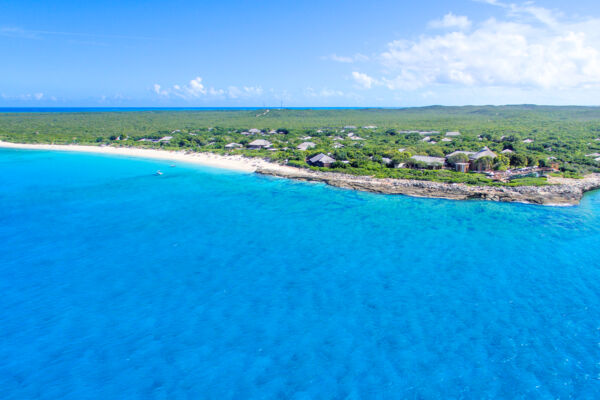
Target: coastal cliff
563,192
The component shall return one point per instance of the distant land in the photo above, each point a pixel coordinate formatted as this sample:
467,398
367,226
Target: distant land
503,146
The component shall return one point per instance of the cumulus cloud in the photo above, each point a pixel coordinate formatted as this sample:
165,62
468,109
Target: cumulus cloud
195,89
364,80
451,21
532,47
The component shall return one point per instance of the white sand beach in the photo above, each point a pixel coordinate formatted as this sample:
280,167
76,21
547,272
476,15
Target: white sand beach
237,163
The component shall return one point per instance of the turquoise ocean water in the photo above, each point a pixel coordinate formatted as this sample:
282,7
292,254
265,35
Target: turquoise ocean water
211,284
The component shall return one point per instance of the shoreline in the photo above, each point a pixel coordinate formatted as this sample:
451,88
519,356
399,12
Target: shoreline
236,163
561,191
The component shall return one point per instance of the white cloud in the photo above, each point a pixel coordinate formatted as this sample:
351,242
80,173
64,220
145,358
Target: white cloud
532,48
363,79
348,59
195,89
451,21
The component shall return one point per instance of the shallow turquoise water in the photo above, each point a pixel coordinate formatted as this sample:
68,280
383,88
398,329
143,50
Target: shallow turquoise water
211,284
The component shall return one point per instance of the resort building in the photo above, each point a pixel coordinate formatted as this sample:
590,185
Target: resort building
306,145
321,160
233,146
467,153
259,144
476,162
430,162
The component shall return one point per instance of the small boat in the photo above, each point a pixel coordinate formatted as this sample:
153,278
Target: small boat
158,173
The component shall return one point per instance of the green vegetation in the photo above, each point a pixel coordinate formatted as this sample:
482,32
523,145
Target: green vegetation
537,136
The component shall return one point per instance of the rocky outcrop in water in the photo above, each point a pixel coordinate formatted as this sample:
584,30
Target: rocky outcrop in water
559,192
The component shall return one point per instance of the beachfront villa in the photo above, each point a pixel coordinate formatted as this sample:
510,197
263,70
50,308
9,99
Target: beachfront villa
474,163
321,160
430,162
259,144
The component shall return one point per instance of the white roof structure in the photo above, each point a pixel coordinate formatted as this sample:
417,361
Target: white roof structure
593,155
233,146
165,138
429,160
453,133
485,152
507,151
528,141
446,139
260,143
254,130
323,158
306,146
467,153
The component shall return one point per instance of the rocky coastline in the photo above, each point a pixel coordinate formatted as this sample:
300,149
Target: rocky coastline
560,191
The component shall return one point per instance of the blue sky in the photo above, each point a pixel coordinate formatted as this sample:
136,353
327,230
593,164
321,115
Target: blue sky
309,53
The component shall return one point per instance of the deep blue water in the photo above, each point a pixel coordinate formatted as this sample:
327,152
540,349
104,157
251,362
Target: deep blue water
208,284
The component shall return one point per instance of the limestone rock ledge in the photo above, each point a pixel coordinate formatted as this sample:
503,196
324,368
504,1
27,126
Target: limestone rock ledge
560,192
